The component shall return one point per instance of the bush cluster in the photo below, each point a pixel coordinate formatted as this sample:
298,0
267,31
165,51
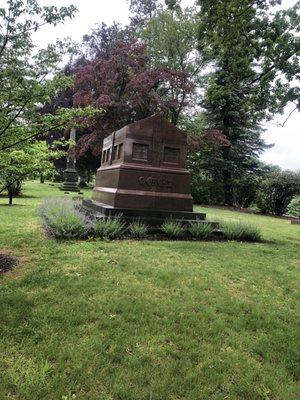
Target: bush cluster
277,190
200,230
110,228
294,207
173,228
237,230
64,218
269,189
138,229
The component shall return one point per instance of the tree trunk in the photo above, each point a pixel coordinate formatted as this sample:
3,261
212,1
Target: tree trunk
42,179
227,172
228,192
10,196
89,176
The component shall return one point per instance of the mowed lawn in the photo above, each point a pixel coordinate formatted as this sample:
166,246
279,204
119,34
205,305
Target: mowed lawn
145,320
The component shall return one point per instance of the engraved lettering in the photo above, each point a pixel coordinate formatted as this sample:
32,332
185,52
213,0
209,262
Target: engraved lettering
152,182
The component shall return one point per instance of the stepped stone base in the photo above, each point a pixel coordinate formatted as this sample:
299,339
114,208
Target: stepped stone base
70,183
69,187
153,218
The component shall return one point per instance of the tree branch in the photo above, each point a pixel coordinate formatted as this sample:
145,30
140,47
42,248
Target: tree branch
288,117
14,117
264,73
20,178
21,108
32,136
5,41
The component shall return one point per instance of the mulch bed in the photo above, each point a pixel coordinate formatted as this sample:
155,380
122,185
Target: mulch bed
7,262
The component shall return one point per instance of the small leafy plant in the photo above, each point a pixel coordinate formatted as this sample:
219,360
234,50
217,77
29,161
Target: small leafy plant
109,228
200,230
173,228
294,207
237,230
62,219
138,229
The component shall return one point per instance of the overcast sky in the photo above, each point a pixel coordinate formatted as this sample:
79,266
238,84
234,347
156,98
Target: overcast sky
286,150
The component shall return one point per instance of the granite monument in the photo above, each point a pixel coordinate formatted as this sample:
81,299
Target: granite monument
143,174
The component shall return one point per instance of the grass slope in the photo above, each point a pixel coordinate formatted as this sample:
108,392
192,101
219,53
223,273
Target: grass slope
148,320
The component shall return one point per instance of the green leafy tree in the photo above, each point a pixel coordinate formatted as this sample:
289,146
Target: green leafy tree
277,190
171,38
32,160
294,207
30,77
254,55
173,4
142,10
204,160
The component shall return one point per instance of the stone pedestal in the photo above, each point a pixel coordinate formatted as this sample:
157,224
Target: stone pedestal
295,221
70,183
153,218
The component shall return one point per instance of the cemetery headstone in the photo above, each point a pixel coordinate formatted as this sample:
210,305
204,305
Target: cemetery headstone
143,174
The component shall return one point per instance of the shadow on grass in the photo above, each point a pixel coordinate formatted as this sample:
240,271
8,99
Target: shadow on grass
158,238
21,196
13,205
25,196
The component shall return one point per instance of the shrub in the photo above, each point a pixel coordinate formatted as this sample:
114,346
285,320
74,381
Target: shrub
138,229
205,188
110,228
277,190
294,207
200,230
245,190
237,230
207,181
173,228
62,219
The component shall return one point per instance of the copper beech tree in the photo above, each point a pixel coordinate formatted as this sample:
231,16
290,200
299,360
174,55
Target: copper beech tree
126,88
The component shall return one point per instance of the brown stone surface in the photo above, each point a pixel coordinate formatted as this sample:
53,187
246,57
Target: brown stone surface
143,166
295,221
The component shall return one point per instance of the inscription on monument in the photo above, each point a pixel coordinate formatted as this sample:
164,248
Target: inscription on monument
152,182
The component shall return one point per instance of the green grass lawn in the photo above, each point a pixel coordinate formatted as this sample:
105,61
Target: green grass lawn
130,320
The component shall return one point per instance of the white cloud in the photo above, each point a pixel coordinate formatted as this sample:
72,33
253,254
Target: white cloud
286,139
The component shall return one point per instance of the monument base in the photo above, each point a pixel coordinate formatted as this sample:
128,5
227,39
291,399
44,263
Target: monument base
153,218
295,221
69,187
70,183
